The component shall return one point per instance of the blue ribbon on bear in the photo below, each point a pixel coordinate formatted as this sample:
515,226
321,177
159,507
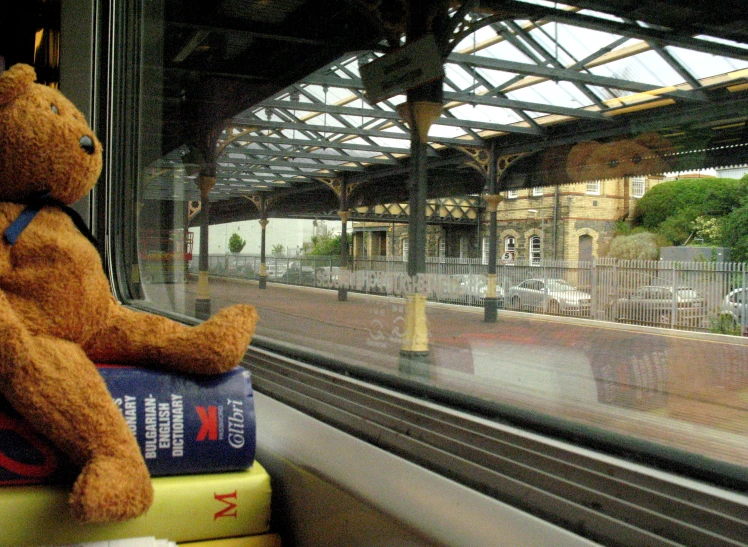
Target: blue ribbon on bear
35,204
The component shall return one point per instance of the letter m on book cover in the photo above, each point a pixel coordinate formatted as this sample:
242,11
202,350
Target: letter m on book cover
228,507
209,423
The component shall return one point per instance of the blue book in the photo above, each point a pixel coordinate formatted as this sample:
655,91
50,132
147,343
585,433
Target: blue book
183,425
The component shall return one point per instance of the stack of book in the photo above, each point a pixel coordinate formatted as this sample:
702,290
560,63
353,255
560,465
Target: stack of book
197,435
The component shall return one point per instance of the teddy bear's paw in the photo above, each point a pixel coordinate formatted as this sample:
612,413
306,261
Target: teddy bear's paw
222,340
111,490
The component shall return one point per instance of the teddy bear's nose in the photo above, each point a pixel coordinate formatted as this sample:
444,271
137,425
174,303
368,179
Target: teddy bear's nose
87,144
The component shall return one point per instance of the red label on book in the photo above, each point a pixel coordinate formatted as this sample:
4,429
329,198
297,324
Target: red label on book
230,509
209,423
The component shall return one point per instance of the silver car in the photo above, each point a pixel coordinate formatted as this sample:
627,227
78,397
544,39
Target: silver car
734,307
554,296
472,289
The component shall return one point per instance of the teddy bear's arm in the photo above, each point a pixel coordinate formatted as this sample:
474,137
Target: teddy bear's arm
54,385
137,338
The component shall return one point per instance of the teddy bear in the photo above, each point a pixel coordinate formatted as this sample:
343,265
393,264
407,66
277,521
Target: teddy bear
647,154
58,316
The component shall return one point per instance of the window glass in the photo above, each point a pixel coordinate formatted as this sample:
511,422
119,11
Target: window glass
266,138
593,188
535,251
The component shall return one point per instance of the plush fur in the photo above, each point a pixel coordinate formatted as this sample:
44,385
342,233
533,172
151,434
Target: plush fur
58,317
648,154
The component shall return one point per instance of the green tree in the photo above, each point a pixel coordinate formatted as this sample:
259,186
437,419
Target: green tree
734,232
278,250
236,243
326,245
672,208
708,196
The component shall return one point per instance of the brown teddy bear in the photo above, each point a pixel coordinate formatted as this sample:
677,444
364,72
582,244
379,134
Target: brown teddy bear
648,154
57,315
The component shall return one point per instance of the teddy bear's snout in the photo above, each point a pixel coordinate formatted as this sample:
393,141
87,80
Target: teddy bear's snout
87,144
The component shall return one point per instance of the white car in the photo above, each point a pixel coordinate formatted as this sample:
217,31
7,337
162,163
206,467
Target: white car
554,296
735,306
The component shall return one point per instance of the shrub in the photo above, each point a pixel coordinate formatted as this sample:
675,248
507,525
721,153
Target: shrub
639,246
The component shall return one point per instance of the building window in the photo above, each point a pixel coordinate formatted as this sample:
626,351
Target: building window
637,187
537,191
535,251
442,248
512,194
484,250
405,250
463,247
593,188
509,244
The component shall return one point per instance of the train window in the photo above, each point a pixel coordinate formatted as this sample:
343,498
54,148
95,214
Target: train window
264,154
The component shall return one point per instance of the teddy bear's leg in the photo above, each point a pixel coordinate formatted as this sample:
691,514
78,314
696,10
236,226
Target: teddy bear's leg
58,390
216,345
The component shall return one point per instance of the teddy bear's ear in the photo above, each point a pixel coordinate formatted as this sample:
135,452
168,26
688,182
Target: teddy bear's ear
14,81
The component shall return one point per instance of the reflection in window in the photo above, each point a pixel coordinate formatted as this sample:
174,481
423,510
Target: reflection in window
651,385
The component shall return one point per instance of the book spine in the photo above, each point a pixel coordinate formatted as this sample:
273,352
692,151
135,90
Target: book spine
185,508
183,425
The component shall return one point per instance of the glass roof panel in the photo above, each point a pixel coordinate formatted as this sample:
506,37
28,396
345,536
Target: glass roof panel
702,65
574,43
505,51
490,114
495,78
647,67
458,76
554,93
480,36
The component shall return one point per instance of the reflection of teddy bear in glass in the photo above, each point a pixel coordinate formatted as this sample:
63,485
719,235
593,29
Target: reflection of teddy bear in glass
57,315
648,154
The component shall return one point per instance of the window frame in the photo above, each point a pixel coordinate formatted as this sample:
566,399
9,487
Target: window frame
535,249
593,188
587,487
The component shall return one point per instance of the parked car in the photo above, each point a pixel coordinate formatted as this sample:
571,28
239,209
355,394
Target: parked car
657,305
471,289
275,270
299,274
734,307
555,296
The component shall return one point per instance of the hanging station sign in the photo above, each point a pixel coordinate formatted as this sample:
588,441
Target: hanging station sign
405,68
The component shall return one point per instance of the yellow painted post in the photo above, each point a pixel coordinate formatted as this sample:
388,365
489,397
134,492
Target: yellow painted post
419,115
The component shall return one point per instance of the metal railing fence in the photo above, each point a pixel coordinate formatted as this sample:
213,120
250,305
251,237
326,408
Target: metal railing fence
681,295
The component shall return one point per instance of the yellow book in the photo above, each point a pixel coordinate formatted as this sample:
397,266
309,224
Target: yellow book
264,540
185,508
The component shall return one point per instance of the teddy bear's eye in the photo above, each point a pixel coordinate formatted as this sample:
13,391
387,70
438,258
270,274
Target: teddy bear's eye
613,164
54,109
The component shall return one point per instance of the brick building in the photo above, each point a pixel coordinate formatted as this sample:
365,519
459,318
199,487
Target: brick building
570,222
